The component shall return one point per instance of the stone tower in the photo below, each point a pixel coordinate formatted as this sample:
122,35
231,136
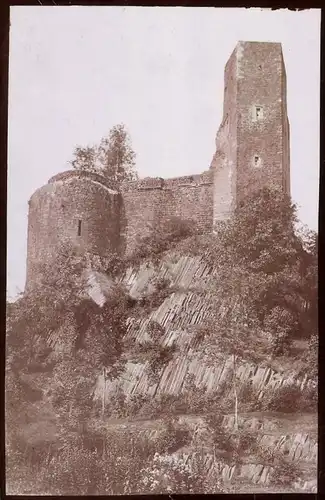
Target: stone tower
252,144
75,209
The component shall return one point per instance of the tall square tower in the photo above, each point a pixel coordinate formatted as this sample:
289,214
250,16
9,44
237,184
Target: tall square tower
252,144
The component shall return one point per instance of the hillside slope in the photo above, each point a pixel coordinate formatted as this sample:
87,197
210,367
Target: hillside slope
293,436
187,367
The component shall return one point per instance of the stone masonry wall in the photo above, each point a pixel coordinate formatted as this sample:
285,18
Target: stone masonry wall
224,162
108,220
54,214
152,201
254,77
260,83
285,134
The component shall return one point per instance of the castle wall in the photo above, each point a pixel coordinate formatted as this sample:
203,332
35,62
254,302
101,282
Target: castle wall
252,144
73,210
260,73
152,201
224,163
286,135
286,156
192,199
81,209
145,204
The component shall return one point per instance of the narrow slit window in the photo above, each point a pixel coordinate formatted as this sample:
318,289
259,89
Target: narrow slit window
257,161
79,227
258,112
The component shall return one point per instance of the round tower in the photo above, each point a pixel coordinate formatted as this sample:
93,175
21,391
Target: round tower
76,209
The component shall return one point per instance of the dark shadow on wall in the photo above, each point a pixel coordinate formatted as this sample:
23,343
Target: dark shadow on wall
122,226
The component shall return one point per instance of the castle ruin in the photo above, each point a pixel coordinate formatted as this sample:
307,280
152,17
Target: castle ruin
252,151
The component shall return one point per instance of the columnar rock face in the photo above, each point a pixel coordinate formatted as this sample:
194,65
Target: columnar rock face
252,151
75,209
252,144
177,314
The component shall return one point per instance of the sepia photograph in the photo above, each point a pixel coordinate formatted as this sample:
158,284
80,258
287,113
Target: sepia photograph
162,250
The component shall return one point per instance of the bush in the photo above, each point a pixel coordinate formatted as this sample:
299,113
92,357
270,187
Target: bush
284,399
156,298
156,354
135,404
281,340
167,475
290,399
114,470
172,438
194,401
284,473
249,400
309,400
235,443
162,237
221,437
161,405
247,442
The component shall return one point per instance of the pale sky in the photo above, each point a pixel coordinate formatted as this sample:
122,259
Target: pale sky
74,72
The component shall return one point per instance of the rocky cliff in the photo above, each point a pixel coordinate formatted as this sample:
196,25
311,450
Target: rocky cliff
294,437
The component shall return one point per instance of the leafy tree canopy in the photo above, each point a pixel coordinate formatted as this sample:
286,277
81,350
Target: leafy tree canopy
113,157
266,273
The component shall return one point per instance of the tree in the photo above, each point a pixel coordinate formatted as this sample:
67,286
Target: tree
117,156
277,266
309,271
58,340
231,331
156,354
263,291
113,157
86,159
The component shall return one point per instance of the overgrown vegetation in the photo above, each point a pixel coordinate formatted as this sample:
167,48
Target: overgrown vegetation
263,298
164,235
113,157
272,268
